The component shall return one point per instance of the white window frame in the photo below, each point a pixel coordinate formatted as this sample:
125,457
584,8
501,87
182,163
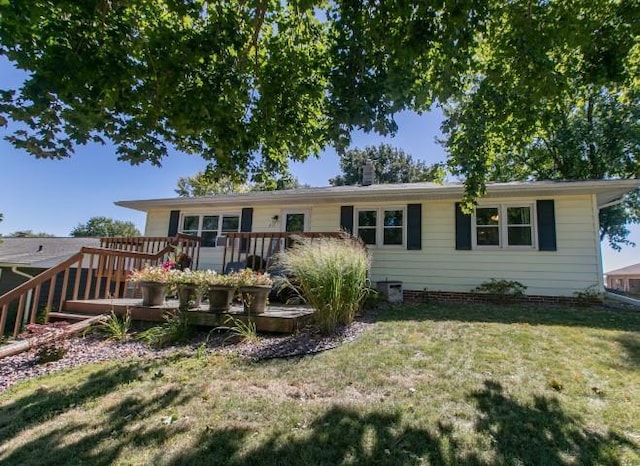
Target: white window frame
284,213
503,227
201,216
380,226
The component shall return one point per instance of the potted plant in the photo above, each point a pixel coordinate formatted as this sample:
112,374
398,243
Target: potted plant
190,285
221,289
153,281
254,288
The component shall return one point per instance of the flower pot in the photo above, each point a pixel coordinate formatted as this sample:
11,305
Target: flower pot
254,298
189,296
220,298
153,293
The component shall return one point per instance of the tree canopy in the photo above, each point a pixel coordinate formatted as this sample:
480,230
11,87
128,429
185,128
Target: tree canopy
103,226
29,234
250,85
391,165
594,135
207,183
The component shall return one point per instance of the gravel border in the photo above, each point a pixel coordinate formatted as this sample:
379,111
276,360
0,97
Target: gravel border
93,348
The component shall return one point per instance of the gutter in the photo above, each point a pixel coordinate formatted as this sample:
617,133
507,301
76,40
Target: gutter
375,193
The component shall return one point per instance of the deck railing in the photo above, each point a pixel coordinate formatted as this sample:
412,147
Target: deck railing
256,250
92,273
187,244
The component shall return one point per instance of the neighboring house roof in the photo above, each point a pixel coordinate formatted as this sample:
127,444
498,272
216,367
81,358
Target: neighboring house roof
41,252
629,270
607,191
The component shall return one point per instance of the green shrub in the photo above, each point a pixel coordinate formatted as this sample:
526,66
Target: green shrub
372,300
331,274
240,330
501,288
174,330
589,295
116,328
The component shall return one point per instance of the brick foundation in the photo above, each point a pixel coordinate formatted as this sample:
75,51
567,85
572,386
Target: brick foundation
416,297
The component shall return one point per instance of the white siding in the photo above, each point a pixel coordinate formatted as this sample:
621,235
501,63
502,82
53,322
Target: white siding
439,266
157,223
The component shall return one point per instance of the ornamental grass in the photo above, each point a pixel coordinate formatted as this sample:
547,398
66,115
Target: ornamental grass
331,276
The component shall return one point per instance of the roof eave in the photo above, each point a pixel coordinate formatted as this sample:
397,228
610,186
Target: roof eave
605,190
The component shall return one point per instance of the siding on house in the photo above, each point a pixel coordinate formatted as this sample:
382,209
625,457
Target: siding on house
438,266
573,267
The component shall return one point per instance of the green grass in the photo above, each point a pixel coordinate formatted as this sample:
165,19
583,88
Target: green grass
426,385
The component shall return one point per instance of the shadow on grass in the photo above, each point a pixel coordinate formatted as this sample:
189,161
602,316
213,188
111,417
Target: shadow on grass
340,436
78,441
541,433
520,434
44,403
594,317
631,344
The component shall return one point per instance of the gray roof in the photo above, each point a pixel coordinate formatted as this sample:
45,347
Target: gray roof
606,191
629,270
41,252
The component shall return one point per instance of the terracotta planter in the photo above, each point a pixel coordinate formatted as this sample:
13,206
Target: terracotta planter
153,293
254,298
189,296
220,298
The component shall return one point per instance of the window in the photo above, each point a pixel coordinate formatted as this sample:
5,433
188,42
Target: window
504,226
295,221
209,227
487,226
519,226
384,227
392,229
367,225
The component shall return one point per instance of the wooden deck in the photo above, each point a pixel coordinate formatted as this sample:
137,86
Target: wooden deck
279,318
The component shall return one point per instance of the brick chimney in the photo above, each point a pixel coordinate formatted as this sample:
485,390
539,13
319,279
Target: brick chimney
368,173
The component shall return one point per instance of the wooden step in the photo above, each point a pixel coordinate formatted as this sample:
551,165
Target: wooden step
69,316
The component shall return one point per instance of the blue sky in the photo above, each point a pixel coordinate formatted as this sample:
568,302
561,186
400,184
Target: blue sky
55,195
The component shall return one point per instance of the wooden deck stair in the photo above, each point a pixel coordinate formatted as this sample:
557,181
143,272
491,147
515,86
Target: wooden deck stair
277,318
91,273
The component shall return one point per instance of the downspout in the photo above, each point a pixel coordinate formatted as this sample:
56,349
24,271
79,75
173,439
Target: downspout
598,245
27,305
15,270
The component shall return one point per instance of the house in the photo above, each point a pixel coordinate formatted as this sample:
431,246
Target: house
24,258
625,279
542,234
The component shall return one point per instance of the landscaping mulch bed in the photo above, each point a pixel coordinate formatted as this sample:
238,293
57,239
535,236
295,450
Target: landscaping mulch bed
93,348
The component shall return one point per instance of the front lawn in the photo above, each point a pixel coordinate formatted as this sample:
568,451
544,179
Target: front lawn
426,385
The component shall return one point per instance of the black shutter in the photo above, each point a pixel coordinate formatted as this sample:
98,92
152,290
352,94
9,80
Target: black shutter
174,218
246,223
346,219
546,225
414,226
463,229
